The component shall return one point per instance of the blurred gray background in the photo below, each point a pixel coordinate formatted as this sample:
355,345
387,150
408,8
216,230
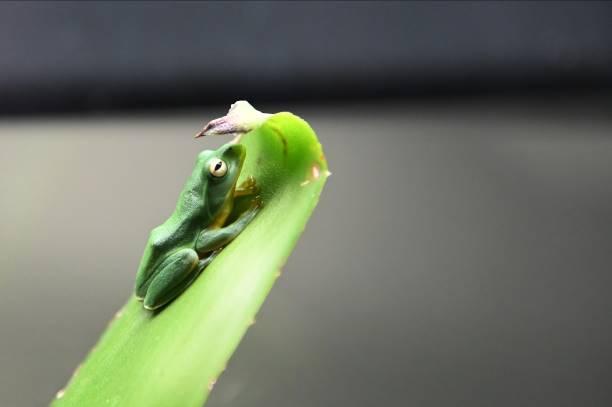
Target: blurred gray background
459,256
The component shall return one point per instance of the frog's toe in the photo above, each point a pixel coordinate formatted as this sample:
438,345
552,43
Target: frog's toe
250,182
140,291
152,307
257,202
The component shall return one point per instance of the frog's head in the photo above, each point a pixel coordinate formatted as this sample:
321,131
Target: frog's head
222,169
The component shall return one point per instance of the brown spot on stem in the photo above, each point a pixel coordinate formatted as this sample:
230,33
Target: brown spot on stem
313,175
283,140
285,147
315,171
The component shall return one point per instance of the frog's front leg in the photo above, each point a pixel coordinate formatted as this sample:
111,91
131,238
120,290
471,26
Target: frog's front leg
213,239
247,187
177,272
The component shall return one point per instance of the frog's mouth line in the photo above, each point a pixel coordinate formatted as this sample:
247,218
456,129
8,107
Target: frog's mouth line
222,217
232,191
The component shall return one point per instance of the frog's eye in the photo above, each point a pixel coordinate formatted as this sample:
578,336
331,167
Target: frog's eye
217,168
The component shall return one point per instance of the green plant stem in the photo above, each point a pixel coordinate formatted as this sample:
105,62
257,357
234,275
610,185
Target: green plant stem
174,357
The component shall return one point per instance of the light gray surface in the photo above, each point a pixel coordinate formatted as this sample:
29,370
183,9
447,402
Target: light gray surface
459,256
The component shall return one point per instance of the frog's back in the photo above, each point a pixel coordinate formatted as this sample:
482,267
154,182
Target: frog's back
189,217
173,234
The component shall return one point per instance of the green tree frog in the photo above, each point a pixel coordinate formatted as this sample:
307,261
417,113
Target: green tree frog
178,250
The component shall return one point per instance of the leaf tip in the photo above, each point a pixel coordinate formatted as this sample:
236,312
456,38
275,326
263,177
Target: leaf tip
241,118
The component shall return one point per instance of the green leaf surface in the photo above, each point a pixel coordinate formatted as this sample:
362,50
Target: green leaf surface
174,357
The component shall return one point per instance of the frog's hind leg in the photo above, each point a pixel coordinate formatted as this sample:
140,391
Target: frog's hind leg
144,281
172,279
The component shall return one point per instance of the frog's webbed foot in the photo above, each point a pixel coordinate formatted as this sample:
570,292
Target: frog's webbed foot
216,239
256,204
247,187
